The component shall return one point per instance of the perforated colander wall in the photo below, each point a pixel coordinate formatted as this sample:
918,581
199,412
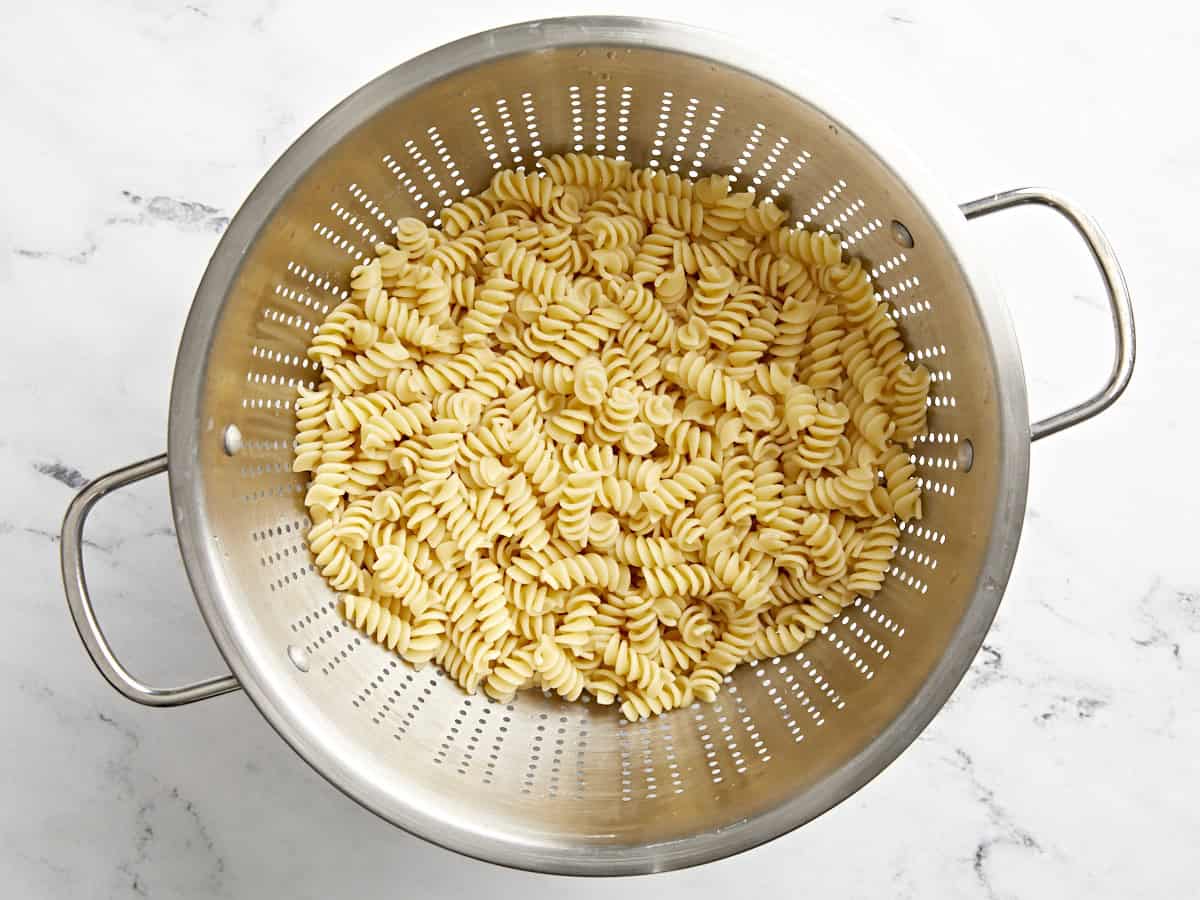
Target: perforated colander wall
428,179
537,766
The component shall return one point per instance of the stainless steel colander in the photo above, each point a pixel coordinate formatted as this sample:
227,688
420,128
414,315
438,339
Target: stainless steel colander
538,783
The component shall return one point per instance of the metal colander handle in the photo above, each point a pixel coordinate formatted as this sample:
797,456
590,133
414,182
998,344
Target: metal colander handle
1114,285
84,614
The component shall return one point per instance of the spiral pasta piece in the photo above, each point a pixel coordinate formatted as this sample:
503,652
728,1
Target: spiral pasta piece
532,453
394,274
713,288
523,510
614,231
394,575
671,287
646,552
679,580
491,303
839,491
588,381
406,322
859,361
728,570
510,674
458,254
508,223
900,476
388,428
586,570
532,191
726,215
569,422
440,451
311,407
852,287
815,248
656,252
684,486
618,411
760,221
640,354
743,306
457,508
368,368
778,640
414,638
642,306
820,366
706,379
631,666
723,657
578,619
669,183
351,413
553,376
494,617
873,559
910,395
821,539
587,334
414,238
489,510
557,321
335,560
653,205
819,441
497,377
598,173
777,276
884,337
692,256
556,669
870,420
531,273
791,332
737,486
618,495
354,525
468,213
639,440
589,457
575,505
333,335
560,250
433,295
437,373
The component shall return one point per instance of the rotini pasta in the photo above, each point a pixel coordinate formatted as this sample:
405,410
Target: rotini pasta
713,287
656,252
606,430
599,173
557,671
909,394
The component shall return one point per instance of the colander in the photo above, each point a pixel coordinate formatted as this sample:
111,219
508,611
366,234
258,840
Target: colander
538,783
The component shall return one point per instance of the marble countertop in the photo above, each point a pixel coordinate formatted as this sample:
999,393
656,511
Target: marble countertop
1068,761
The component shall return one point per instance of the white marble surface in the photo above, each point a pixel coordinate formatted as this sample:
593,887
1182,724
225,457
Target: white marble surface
1066,764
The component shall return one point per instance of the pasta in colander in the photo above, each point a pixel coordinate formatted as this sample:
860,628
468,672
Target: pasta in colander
607,431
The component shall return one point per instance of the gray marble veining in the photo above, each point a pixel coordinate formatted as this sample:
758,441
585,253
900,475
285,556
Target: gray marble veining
1065,764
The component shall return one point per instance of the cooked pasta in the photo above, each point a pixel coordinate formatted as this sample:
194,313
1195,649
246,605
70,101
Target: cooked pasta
608,431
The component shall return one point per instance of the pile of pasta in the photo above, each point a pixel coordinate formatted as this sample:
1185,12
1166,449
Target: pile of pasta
607,431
